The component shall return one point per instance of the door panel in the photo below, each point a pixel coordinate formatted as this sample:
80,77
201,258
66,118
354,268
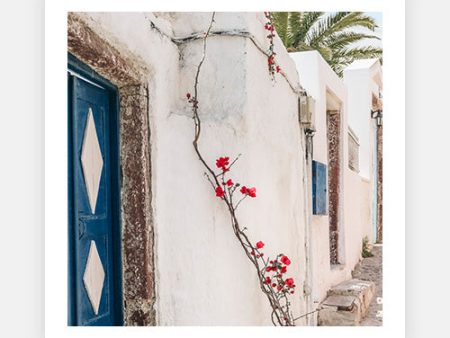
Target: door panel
92,281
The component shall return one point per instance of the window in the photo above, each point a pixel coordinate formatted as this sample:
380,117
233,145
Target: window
353,151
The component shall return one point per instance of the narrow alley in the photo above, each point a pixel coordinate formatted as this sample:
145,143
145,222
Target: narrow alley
371,269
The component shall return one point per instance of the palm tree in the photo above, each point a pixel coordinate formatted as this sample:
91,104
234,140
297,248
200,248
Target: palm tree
333,35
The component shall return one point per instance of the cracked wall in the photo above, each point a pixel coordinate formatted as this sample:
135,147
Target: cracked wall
136,224
380,184
178,248
334,181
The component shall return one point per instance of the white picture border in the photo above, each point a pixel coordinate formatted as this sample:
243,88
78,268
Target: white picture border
393,28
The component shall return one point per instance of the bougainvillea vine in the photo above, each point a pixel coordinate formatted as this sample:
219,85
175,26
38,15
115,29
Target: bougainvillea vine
271,62
272,273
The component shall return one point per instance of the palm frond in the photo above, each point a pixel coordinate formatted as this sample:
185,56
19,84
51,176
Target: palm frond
352,20
332,35
317,33
341,40
326,27
281,26
366,52
326,52
302,47
334,19
338,69
301,23
338,22
358,19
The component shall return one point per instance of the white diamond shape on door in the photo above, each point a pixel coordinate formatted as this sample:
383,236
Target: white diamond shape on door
94,277
91,161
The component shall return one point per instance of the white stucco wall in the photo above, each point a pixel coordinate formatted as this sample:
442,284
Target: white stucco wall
363,79
202,275
330,92
357,211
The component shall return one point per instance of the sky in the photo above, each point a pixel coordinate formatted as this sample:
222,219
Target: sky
378,16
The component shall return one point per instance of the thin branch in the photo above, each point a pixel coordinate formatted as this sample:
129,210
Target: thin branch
234,161
271,317
295,87
243,198
280,313
307,314
210,181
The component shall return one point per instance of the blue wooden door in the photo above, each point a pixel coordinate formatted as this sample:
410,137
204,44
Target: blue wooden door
319,188
94,265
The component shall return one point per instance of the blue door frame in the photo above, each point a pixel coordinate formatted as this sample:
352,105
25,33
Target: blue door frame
94,227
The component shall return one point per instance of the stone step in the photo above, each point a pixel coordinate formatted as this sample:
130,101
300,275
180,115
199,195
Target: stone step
346,303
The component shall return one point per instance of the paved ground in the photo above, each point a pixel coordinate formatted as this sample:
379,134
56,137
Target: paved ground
371,269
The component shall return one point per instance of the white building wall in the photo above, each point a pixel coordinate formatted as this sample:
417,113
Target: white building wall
362,79
321,83
202,275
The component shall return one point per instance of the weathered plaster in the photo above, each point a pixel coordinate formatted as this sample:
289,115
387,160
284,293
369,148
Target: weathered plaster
334,180
242,111
137,222
100,55
380,184
182,256
331,93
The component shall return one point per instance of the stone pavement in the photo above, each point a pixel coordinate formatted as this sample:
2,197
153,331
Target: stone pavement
371,269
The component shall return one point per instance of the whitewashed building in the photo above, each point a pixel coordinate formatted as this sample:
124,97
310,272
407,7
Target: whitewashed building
344,130
150,243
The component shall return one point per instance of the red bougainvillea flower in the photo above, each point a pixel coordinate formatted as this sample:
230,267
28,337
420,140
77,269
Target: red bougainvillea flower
248,191
251,192
222,163
268,280
290,282
260,245
268,269
220,192
230,182
285,260
278,69
269,27
283,269
188,95
270,60
274,285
